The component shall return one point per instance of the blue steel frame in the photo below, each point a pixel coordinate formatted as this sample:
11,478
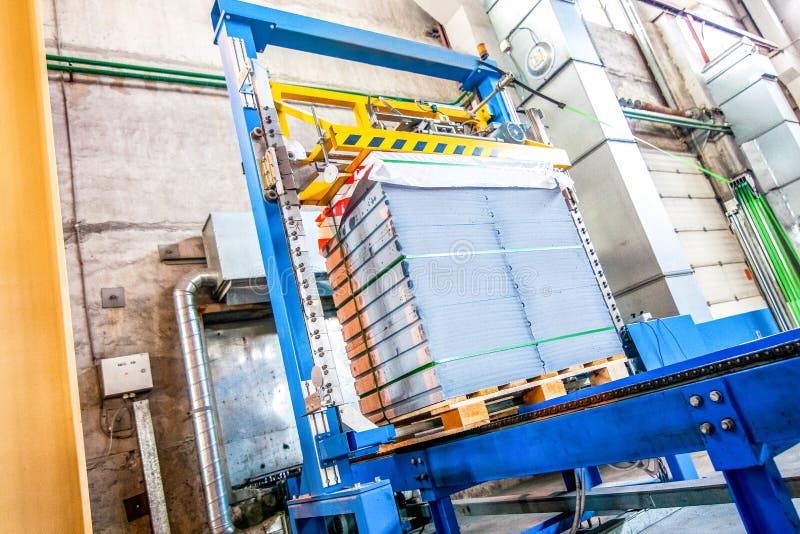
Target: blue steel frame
258,26
761,401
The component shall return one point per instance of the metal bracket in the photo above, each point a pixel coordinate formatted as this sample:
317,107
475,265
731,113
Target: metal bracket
588,247
112,297
419,468
725,432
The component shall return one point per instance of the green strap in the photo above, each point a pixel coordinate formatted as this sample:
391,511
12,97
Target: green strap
354,294
493,251
492,350
670,155
389,267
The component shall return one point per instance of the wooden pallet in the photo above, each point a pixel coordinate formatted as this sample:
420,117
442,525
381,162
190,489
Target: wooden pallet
467,411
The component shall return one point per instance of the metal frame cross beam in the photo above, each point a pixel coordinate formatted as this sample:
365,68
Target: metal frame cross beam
288,30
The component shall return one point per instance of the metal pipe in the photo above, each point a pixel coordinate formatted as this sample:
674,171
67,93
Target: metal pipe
676,10
674,120
697,40
646,47
135,75
182,76
764,279
201,400
647,106
130,66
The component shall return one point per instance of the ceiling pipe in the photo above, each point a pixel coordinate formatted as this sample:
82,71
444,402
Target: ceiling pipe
201,399
679,11
697,40
646,48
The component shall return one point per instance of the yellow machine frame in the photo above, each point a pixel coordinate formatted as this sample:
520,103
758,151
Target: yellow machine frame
348,146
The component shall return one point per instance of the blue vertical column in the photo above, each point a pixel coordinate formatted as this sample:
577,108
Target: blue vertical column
284,298
444,515
763,499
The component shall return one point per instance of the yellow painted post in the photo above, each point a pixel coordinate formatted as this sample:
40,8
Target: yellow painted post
43,485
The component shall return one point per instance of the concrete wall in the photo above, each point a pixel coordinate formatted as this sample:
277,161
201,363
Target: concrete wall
142,164
690,198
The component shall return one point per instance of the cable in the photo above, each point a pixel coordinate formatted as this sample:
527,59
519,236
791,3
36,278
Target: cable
658,342
580,500
110,430
565,106
518,24
630,467
665,325
111,426
531,90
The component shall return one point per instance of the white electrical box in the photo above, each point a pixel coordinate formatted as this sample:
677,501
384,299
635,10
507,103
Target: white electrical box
125,374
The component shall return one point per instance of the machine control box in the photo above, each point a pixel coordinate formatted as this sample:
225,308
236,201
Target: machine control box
125,374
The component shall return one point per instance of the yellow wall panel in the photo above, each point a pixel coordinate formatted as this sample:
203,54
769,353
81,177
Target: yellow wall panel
43,484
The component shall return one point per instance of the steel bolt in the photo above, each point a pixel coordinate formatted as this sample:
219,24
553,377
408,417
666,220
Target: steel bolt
728,424
696,401
707,429
715,396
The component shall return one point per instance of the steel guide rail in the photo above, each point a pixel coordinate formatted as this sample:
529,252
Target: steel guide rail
323,389
750,388
560,407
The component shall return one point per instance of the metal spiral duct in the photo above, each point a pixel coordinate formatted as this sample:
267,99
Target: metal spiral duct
204,417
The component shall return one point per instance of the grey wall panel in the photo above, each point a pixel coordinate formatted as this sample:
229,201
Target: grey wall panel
252,398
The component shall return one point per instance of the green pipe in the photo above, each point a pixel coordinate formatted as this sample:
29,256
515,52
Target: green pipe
767,227
186,77
781,231
784,281
746,200
135,75
128,66
663,118
780,247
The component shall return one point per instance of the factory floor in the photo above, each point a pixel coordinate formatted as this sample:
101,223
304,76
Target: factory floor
716,519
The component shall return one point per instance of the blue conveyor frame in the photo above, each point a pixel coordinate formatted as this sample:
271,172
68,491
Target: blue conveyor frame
761,401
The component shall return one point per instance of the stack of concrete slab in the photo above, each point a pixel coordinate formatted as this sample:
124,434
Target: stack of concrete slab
444,291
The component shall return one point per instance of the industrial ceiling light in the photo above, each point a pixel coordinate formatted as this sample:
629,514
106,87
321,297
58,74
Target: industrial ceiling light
540,59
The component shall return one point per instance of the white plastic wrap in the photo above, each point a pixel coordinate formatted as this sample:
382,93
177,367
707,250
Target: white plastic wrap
424,170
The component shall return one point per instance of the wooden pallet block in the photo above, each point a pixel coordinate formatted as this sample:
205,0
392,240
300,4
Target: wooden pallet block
464,415
532,390
482,392
600,372
542,392
614,370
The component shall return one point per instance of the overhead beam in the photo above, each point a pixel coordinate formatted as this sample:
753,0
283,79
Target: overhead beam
297,32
